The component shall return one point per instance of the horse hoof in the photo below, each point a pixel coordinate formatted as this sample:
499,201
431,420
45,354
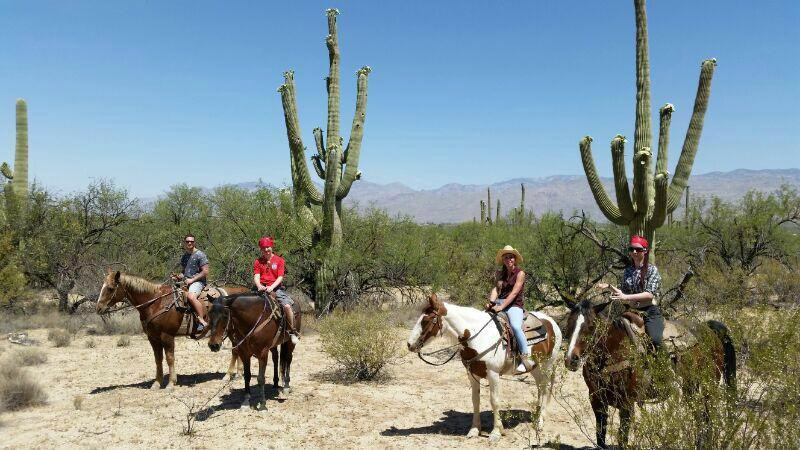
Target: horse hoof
473,432
494,437
287,390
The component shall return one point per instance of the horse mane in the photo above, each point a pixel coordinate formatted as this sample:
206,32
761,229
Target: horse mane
139,285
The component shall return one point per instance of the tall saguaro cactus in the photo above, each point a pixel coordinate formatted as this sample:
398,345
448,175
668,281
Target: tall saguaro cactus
338,167
18,178
653,197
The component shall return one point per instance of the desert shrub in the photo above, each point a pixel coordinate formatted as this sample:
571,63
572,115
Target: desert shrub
77,402
120,324
763,411
360,342
59,337
123,341
90,343
30,356
18,389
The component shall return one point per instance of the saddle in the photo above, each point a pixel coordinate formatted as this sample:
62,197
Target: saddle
190,322
676,338
533,328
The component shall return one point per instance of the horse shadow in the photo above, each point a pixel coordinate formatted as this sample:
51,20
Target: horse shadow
183,380
233,401
456,423
560,446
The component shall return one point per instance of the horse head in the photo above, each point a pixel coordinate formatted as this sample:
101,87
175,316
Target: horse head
581,329
219,317
429,324
111,292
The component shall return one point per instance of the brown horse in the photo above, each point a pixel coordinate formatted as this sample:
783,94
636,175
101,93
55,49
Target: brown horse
255,326
603,345
161,320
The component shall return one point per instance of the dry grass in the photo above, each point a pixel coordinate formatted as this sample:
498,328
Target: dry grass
59,337
29,356
123,341
17,388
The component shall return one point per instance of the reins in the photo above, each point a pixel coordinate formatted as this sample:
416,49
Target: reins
267,300
460,344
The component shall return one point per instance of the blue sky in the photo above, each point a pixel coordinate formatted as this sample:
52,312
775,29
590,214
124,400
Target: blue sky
152,94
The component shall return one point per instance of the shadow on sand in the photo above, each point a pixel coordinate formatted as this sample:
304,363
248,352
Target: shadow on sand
233,400
183,380
455,423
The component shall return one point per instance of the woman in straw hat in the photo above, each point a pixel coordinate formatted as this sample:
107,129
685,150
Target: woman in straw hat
509,296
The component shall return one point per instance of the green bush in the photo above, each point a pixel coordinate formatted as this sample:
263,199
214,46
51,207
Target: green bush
59,337
361,343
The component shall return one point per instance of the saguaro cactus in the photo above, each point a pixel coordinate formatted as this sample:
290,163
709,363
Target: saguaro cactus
653,197
17,178
497,212
483,212
489,206
337,166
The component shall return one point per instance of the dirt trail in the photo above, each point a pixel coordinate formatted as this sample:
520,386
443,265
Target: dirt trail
421,406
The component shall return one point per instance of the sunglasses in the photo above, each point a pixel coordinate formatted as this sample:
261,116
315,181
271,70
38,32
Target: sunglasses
637,250
189,242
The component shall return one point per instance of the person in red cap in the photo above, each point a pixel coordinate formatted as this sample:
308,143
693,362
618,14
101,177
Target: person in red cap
268,271
641,288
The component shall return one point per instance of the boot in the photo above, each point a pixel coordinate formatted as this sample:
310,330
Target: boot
526,364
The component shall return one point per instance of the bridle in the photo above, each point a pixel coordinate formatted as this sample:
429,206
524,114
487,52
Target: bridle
438,320
127,296
268,300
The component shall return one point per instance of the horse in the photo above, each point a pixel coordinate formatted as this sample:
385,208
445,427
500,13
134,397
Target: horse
484,354
255,326
161,320
601,342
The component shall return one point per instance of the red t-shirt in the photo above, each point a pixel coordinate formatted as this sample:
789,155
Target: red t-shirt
269,270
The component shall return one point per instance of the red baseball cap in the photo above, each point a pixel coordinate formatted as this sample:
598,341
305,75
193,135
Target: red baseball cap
638,241
265,241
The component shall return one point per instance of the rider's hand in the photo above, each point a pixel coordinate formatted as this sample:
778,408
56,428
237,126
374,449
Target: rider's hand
262,288
602,286
618,295
270,289
497,308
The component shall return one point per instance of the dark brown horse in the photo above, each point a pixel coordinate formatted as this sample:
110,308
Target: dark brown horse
604,347
161,320
256,327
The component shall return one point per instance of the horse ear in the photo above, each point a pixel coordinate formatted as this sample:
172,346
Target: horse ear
116,277
437,305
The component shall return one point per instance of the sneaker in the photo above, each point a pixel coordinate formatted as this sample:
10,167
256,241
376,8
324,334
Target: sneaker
521,368
200,327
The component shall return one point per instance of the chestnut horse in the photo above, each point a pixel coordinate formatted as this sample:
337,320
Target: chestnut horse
161,320
254,325
484,355
604,347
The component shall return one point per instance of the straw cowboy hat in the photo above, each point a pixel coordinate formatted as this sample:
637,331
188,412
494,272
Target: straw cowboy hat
506,250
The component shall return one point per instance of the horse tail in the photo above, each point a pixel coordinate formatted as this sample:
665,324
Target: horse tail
729,357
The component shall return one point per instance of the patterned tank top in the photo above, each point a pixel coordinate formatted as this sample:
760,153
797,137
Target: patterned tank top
505,286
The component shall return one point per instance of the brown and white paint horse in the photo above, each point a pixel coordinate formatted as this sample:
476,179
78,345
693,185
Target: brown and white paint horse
484,354
160,319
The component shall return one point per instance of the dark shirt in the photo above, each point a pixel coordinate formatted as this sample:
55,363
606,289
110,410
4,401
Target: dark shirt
507,285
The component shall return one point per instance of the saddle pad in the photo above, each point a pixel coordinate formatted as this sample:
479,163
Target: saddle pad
675,338
533,327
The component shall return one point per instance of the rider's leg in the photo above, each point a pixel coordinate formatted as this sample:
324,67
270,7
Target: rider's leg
654,325
286,302
194,291
515,315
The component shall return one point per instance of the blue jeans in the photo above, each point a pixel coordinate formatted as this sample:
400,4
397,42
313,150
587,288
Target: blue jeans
515,314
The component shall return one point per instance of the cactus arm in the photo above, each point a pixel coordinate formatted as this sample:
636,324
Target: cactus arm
6,171
320,143
315,160
665,117
21,152
621,178
329,203
301,179
608,208
660,206
643,134
332,42
641,187
353,150
690,142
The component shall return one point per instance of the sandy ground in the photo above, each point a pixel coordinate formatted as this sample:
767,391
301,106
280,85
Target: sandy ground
420,406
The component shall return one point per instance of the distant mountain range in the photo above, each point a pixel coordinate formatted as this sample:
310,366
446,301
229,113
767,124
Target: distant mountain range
461,202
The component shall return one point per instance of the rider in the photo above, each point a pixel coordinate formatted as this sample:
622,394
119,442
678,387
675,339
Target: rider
194,265
509,296
268,271
640,288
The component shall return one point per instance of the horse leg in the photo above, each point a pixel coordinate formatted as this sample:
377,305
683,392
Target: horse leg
246,375
231,367
287,350
494,399
624,425
543,386
262,369
275,364
169,351
600,410
476,405
158,353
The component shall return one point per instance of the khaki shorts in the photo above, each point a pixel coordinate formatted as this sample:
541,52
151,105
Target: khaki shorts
283,297
196,287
